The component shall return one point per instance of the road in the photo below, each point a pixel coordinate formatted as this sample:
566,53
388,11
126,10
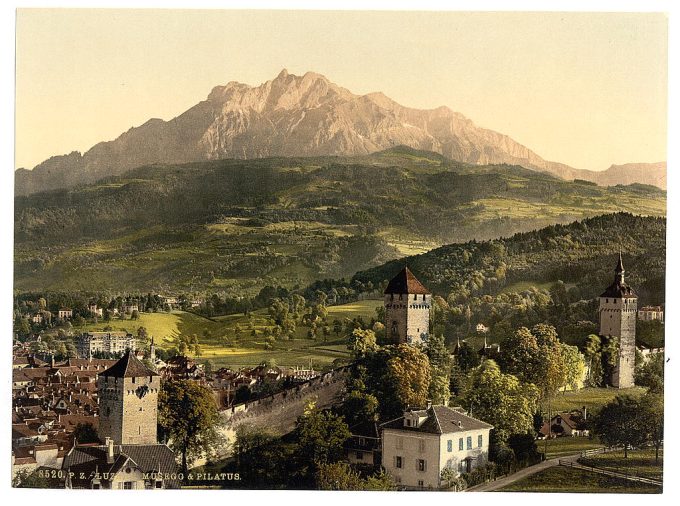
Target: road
522,473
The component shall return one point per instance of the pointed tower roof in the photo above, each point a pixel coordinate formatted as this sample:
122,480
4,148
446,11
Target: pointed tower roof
406,282
619,289
619,266
128,366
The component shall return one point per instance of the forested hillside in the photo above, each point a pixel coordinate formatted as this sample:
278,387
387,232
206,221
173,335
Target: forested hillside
237,225
551,275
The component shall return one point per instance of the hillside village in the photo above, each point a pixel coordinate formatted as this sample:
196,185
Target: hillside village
401,420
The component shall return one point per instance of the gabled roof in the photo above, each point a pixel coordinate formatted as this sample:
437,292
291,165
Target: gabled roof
441,420
406,282
128,367
151,458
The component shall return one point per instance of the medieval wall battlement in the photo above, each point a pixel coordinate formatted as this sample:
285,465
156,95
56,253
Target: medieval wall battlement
279,400
280,411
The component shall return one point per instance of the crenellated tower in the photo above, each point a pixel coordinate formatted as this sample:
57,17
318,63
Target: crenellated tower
407,309
618,314
128,402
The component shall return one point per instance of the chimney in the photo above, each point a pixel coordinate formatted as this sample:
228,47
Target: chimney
429,403
109,450
585,413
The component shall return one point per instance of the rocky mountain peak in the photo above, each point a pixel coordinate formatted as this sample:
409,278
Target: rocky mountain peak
293,115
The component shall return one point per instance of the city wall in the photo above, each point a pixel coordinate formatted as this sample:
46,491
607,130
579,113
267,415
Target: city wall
278,412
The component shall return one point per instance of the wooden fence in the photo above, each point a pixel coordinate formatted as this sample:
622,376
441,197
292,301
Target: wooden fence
607,472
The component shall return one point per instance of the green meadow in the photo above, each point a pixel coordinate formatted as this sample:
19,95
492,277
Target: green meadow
565,479
237,340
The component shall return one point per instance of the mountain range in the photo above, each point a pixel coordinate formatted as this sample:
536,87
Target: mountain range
304,116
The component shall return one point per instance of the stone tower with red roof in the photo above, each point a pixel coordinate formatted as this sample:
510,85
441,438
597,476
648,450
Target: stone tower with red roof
128,402
407,309
618,314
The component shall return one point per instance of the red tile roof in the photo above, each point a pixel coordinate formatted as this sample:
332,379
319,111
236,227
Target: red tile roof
406,282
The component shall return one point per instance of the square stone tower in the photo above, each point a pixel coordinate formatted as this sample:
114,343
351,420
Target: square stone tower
128,402
407,309
618,314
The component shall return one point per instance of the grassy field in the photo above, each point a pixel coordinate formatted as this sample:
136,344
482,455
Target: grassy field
224,346
165,327
564,479
562,446
639,463
591,398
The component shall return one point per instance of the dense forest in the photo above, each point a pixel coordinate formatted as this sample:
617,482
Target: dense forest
234,226
551,275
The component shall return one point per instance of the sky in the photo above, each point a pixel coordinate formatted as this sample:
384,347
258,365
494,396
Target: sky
585,89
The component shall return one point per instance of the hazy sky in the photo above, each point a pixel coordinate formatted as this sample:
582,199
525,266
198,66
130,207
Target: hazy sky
585,89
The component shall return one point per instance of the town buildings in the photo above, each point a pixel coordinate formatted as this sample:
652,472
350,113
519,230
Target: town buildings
90,343
65,313
49,402
95,311
649,313
130,458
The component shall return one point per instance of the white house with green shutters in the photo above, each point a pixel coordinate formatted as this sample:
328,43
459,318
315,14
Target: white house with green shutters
419,445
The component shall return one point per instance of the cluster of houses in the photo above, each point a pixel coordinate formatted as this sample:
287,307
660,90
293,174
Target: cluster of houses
49,401
225,382
40,315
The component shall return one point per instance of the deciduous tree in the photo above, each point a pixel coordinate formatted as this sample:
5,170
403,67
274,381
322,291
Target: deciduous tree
500,400
362,342
321,435
621,422
188,417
